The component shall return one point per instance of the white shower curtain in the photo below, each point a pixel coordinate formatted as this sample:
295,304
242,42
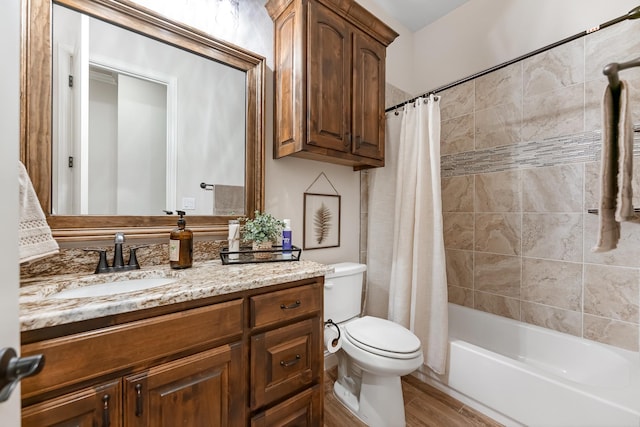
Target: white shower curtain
418,283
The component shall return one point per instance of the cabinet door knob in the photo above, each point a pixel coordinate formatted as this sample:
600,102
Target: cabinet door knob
138,400
106,421
290,306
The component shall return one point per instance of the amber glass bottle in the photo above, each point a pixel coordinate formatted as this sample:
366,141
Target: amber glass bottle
181,245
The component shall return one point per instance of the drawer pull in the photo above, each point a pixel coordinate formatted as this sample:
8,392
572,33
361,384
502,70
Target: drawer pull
288,363
290,306
106,422
138,400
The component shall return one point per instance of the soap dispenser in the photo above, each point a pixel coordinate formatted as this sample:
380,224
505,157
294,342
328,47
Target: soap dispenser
181,245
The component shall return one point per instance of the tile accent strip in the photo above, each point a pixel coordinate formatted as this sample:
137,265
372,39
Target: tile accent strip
578,148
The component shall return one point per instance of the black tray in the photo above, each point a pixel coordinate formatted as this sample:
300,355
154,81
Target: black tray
246,255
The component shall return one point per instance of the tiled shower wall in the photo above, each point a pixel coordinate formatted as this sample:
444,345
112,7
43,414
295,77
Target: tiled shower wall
520,167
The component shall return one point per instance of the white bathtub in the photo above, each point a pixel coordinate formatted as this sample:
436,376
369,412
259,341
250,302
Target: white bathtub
526,375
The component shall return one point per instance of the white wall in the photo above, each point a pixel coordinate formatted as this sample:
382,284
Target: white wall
142,135
399,53
102,155
484,33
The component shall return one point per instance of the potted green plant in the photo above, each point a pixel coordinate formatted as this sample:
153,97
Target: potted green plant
262,231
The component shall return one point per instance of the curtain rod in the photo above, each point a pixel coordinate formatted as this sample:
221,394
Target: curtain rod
633,14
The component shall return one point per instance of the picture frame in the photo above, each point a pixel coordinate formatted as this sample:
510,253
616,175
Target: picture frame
321,221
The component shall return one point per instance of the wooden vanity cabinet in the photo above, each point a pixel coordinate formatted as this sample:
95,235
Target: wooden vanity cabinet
329,81
252,359
187,364
287,356
193,391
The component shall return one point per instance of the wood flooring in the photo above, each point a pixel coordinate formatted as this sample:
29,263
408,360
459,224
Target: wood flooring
424,405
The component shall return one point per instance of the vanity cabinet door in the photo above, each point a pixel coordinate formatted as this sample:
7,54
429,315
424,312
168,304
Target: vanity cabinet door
200,390
98,406
284,361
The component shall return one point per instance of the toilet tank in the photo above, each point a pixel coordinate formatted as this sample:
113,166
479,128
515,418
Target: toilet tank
343,291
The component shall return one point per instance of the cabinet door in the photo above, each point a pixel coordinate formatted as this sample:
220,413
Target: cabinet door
91,407
368,96
329,80
205,389
289,82
304,409
285,360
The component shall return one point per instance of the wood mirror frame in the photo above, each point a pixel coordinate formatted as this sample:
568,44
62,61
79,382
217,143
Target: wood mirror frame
36,114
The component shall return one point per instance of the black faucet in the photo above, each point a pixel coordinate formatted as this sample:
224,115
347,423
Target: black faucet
118,259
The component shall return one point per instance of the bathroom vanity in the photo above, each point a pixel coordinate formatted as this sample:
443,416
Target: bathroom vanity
221,345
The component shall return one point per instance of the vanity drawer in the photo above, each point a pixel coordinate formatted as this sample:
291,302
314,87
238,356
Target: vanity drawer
303,409
288,304
285,360
80,357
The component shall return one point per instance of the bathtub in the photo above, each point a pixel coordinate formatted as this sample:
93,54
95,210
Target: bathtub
522,374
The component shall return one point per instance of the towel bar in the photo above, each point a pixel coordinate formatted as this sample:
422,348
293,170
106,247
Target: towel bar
595,211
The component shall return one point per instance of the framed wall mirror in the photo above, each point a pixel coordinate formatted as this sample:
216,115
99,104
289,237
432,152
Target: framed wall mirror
125,114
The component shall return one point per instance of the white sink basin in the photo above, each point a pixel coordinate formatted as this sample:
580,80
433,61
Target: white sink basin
112,288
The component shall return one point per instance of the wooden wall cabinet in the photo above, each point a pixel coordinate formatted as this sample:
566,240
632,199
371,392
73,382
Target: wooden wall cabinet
254,357
329,81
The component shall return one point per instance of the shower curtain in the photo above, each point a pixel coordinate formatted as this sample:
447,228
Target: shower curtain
417,281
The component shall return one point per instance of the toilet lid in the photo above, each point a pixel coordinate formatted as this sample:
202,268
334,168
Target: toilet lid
382,337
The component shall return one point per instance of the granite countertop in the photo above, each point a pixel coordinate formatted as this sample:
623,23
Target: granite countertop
38,309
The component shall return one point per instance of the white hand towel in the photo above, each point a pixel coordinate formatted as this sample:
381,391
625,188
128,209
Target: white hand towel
35,236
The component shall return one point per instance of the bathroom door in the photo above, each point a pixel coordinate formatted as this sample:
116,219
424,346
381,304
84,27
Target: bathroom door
10,128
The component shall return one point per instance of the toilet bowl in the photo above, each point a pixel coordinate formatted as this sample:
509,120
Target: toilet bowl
375,352
382,346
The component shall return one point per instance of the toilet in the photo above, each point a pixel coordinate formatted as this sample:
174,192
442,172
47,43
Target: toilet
375,352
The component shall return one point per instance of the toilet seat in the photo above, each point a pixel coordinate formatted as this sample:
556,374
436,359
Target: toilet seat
382,337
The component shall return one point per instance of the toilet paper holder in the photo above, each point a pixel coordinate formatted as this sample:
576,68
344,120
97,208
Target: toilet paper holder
330,323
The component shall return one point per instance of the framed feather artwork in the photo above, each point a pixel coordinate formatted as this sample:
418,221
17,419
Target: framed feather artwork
321,221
